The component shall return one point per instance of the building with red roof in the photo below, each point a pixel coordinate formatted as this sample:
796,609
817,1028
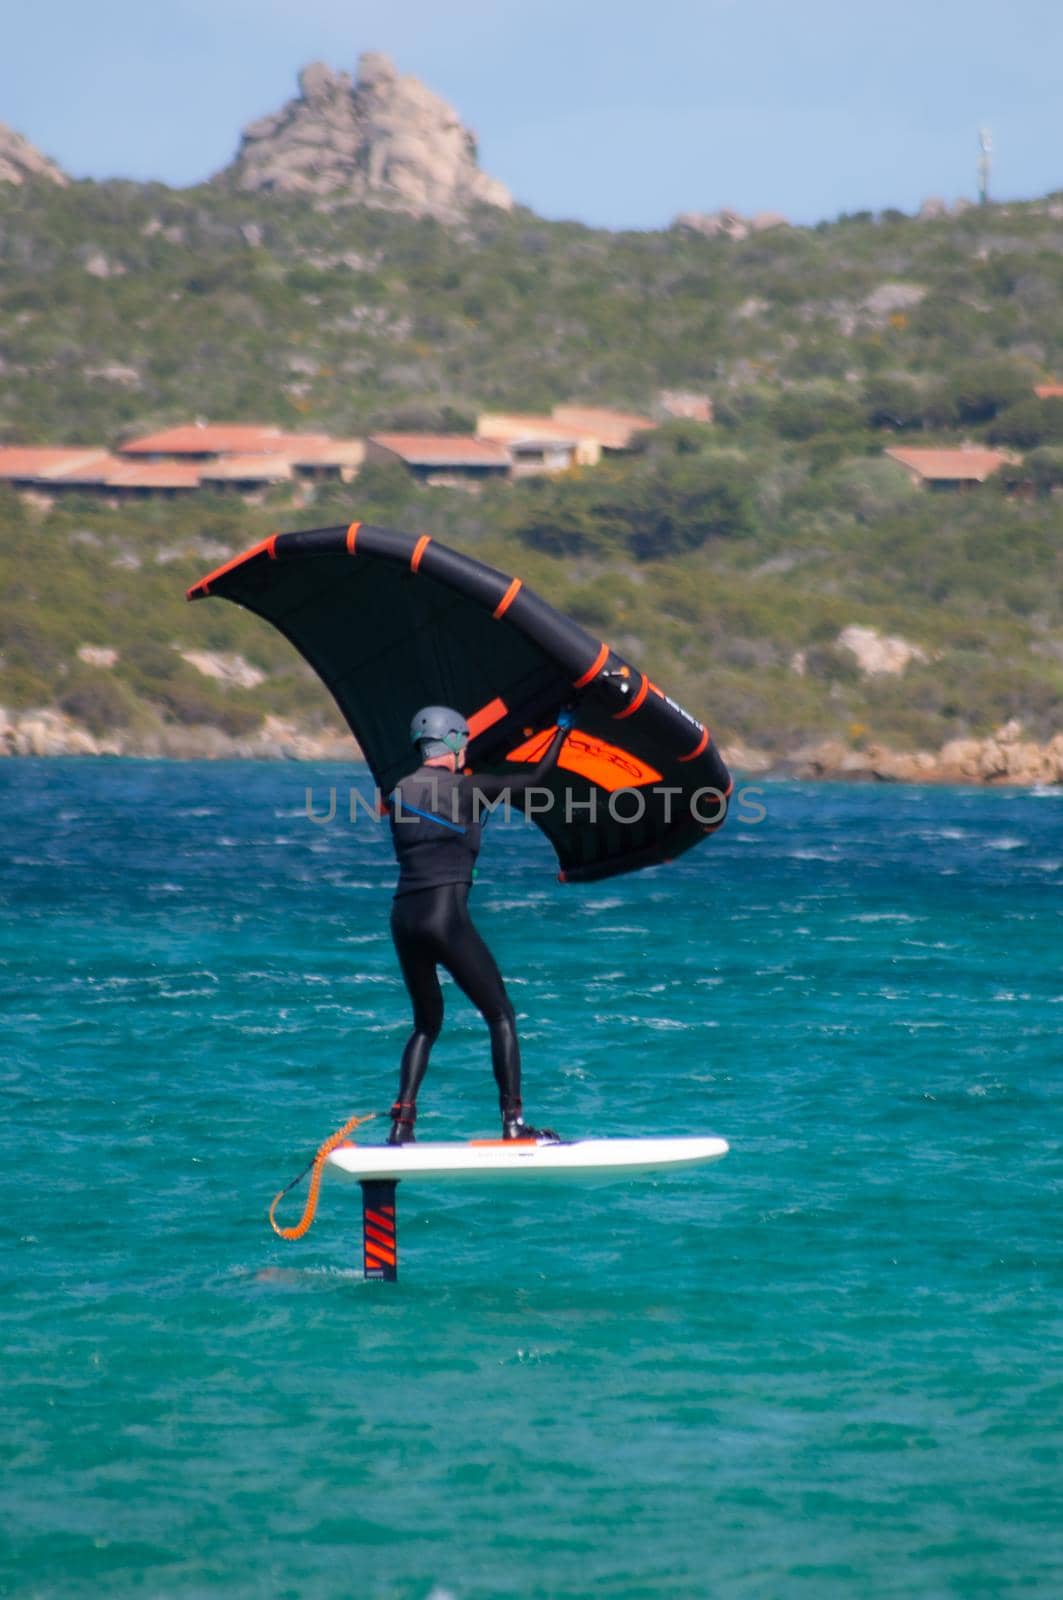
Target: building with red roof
204,441
94,472
961,467
25,466
323,459
441,458
614,430
538,444
248,473
142,478
50,469
312,455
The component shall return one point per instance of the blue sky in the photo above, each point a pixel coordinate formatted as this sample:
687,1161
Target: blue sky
618,114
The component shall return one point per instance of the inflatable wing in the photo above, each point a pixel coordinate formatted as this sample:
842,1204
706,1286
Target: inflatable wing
391,622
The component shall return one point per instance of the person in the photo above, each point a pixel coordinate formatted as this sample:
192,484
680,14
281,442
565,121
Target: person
436,831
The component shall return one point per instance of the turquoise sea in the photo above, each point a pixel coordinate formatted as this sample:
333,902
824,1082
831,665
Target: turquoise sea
830,1366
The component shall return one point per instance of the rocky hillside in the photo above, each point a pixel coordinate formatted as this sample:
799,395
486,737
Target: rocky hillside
383,140
21,162
776,570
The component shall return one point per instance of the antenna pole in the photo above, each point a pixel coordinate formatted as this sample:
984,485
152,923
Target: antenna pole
985,151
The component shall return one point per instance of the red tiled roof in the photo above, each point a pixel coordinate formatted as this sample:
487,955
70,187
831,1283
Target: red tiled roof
310,450
1049,391
96,468
443,449
966,463
217,438
35,461
505,426
92,469
203,439
609,427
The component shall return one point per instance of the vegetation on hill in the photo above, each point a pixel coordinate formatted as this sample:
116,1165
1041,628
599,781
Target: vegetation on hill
727,558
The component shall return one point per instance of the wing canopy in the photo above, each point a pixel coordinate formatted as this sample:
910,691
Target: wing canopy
391,622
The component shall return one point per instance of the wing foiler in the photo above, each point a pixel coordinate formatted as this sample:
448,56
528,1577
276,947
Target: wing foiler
391,621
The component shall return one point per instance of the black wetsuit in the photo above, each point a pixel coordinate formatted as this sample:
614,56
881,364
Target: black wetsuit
436,830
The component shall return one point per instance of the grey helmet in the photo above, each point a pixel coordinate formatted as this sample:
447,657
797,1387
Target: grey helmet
439,731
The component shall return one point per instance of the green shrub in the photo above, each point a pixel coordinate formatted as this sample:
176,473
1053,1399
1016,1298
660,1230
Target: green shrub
184,701
679,437
425,416
569,523
99,700
871,489
804,413
27,639
739,408
690,501
832,664
895,403
150,663
382,489
654,509
1029,423
1046,469
978,391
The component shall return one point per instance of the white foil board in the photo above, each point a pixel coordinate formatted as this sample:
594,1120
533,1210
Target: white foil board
583,1159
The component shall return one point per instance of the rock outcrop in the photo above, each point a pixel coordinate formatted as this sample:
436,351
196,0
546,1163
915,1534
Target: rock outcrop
1006,757
21,162
727,224
47,732
685,405
1003,758
933,208
890,298
880,654
383,140
230,669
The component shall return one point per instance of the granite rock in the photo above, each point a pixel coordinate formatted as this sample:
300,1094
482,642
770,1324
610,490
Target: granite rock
21,162
382,140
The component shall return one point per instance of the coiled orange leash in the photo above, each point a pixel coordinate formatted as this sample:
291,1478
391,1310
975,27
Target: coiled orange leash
333,1141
